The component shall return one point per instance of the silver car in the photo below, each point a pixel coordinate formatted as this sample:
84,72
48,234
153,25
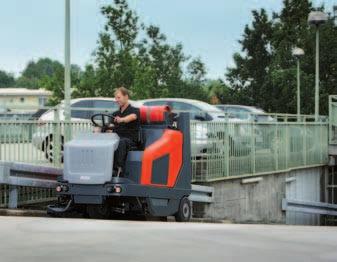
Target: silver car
207,128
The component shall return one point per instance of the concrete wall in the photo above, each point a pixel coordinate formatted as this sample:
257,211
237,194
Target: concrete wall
260,202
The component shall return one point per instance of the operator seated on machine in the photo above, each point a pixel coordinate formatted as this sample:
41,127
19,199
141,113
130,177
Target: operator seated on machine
126,125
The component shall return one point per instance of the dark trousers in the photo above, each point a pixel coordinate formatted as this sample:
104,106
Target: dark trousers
125,145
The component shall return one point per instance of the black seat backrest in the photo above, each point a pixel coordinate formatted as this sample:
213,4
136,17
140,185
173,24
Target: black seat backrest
154,120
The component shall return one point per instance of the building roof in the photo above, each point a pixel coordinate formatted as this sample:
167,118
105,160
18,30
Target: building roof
24,92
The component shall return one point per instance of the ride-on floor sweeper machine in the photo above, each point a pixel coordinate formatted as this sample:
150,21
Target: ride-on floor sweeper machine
156,181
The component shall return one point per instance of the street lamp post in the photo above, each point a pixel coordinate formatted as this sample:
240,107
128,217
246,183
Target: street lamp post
67,75
298,53
317,18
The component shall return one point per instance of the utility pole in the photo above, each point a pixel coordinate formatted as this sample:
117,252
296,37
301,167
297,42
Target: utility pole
317,18
298,53
67,72
67,75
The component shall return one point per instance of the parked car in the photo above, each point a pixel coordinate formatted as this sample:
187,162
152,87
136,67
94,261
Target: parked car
205,137
43,136
246,113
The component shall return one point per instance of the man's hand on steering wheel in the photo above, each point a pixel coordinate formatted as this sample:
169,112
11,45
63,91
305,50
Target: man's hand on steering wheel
103,124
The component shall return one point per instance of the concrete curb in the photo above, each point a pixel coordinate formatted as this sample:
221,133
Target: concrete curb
23,213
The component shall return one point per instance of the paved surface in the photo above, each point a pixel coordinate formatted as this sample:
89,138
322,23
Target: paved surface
48,239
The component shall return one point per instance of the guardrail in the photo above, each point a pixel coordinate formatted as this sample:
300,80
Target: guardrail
26,184
309,207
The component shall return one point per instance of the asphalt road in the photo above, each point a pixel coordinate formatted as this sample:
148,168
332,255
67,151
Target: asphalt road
52,239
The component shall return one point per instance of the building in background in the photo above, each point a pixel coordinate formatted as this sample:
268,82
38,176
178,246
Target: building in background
19,99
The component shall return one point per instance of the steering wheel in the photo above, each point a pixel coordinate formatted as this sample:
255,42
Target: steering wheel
104,125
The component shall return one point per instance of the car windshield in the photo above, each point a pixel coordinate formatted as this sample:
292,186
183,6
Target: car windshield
208,108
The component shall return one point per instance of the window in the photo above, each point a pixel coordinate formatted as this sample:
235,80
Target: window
195,112
83,114
107,106
157,103
22,99
42,101
237,112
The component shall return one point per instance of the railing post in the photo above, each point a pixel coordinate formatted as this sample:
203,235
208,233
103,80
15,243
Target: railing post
286,153
253,155
305,143
321,141
276,145
56,138
13,197
330,119
227,147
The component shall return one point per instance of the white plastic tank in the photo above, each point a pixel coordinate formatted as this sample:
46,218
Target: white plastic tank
88,158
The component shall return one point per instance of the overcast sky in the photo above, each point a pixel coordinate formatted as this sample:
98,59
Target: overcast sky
209,29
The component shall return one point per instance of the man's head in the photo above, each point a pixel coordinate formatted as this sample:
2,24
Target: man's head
122,96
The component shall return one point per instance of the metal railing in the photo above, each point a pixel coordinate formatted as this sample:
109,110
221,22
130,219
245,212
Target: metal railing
333,119
229,149
221,149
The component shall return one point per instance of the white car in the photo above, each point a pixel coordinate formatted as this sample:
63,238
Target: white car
81,111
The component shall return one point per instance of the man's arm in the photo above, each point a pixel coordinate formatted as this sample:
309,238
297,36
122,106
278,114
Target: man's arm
126,119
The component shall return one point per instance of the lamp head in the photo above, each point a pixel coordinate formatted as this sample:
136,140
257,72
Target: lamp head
317,18
297,52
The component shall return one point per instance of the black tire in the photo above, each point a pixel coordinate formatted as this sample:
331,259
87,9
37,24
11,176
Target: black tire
184,213
48,148
99,211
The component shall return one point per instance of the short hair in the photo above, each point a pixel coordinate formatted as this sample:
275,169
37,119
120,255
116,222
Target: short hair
123,91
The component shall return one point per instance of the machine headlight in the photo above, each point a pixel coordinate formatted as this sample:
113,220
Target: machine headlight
58,189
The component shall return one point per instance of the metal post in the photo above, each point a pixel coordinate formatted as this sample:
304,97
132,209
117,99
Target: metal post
13,197
227,148
317,76
298,90
67,68
253,152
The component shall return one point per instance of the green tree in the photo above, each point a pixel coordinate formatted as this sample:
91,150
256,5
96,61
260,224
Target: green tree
35,71
138,57
6,79
55,82
115,56
265,72
219,92
249,76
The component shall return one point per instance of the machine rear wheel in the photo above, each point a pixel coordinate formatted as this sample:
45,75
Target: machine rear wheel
185,210
99,211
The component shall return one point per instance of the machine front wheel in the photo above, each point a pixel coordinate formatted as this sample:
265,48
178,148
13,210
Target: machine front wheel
185,210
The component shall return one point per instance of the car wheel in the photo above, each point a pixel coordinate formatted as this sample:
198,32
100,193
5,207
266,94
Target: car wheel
48,148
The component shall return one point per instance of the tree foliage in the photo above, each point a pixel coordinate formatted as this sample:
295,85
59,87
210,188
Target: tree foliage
139,57
6,79
264,74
